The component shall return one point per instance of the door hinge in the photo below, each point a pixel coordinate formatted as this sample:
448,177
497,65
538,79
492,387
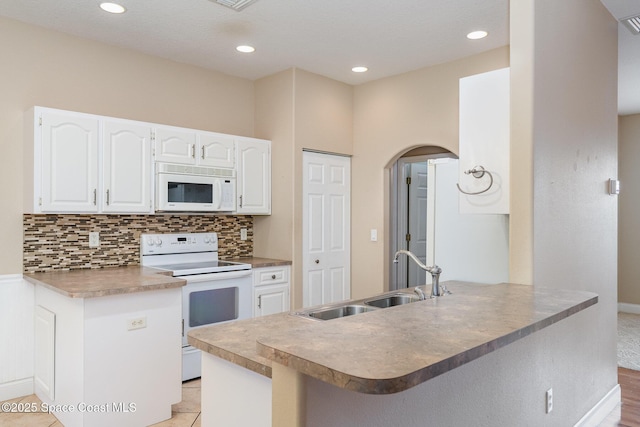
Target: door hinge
40,121
182,327
408,237
408,180
39,201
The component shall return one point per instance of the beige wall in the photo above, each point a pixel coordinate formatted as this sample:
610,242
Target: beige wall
629,210
297,110
564,71
42,67
392,116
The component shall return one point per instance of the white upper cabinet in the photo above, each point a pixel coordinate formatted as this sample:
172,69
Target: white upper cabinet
190,147
484,142
84,163
216,150
175,145
81,163
67,177
253,176
126,165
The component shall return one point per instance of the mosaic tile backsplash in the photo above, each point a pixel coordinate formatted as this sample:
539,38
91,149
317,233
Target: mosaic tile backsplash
61,242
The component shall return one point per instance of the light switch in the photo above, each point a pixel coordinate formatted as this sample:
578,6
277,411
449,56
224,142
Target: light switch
374,235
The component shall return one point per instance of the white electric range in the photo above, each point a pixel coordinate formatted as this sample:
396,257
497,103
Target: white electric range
216,291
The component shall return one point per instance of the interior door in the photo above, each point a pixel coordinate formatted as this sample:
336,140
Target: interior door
326,224
417,221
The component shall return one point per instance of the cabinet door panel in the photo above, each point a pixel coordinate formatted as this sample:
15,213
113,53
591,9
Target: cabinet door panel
271,300
45,344
175,146
69,163
126,167
216,150
254,177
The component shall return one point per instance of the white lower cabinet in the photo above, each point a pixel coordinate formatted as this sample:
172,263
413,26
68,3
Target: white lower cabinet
93,369
271,290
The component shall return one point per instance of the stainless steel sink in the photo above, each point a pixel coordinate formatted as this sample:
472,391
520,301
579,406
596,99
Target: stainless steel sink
392,300
324,313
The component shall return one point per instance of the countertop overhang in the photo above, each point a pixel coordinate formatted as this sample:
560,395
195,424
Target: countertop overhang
92,283
393,349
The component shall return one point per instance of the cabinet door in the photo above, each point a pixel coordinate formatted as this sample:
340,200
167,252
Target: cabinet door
216,150
254,177
126,167
271,299
45,344
69,163
175,146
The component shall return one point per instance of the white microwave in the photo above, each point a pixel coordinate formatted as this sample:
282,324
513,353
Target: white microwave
194,188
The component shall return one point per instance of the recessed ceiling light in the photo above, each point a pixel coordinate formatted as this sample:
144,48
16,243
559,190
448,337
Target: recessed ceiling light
359,69
475,35
112,8
246,49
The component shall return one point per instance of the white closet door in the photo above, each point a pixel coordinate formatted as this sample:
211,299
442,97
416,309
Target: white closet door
326,224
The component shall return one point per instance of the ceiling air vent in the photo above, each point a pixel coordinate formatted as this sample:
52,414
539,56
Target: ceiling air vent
236,5
632,23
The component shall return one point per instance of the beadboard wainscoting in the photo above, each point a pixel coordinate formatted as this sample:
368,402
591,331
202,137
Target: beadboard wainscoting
16,336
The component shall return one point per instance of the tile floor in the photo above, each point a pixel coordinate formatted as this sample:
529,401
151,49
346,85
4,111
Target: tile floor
184,414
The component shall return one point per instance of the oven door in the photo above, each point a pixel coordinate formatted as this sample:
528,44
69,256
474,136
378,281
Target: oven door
213,298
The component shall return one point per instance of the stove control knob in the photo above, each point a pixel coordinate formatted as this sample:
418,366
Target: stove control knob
150,241
159,241
206,239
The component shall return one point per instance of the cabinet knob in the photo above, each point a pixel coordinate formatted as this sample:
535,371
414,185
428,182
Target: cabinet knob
317,261
273,276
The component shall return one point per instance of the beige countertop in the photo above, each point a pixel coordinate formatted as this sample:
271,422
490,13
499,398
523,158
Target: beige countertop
91,283
257,262
362,353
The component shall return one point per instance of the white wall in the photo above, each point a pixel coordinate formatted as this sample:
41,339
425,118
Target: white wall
471,247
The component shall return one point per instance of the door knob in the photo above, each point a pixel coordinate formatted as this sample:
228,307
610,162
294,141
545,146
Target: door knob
317,261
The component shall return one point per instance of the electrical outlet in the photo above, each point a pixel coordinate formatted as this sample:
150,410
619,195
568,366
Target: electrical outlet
137,323
374,235
549,396
243,234
94,239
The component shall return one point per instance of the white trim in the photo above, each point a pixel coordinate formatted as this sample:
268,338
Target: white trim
604,407
629,308
14,389
10,278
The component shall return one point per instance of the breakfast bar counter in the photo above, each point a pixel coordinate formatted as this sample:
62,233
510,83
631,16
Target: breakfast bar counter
389,350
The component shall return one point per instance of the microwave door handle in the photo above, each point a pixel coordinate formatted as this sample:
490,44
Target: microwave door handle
217,193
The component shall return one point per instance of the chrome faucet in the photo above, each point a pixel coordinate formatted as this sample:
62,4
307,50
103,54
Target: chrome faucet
436,290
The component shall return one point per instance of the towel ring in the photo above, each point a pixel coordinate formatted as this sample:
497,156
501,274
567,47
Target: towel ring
477,172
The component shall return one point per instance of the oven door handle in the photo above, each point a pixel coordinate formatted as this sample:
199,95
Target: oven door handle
216,276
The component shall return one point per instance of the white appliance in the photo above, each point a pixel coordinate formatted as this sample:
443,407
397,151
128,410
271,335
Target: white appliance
216,291
194,188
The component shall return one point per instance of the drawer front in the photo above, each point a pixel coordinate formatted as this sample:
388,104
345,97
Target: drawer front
270,275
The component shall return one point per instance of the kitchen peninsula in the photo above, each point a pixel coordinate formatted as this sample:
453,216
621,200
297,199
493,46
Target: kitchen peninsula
107,345
391,366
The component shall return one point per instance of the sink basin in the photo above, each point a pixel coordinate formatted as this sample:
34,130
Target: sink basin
392,300
336,312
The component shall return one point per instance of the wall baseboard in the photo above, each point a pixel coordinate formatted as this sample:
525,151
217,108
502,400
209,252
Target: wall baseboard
599,412
629,308
14,389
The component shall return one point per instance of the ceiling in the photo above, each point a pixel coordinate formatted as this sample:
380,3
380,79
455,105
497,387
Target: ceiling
628,57
327,37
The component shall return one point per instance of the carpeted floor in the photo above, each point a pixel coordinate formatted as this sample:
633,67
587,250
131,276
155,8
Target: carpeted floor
629,341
